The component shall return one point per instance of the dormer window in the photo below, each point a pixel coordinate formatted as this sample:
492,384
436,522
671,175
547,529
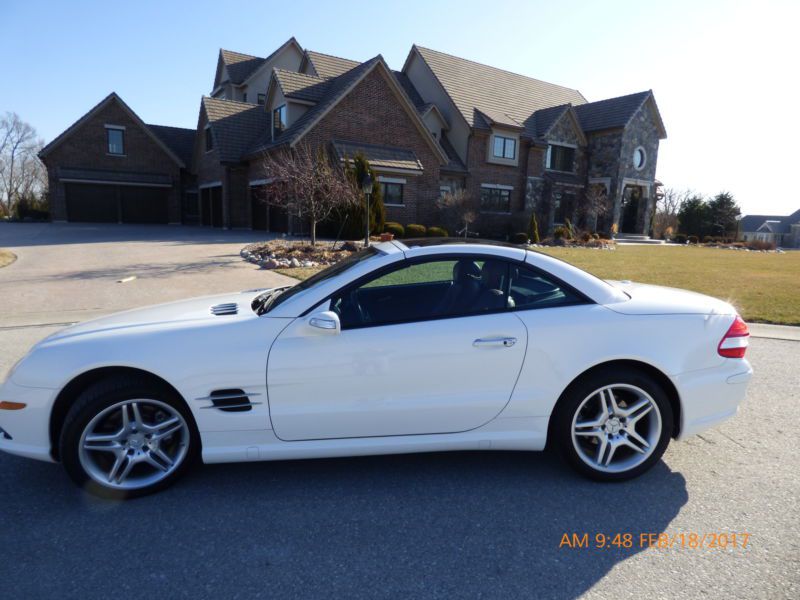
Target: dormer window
278,121
209,139
115,140
262,98
504,147
561,158
244,97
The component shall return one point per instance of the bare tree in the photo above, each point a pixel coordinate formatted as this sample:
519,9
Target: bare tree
21,172
668,205
307,183
460,208
595,205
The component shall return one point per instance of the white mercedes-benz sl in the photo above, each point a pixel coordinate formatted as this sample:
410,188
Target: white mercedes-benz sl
403,347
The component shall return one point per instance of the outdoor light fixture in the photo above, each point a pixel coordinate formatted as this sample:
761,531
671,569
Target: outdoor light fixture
366,187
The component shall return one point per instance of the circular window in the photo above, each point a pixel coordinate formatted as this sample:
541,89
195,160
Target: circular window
639,158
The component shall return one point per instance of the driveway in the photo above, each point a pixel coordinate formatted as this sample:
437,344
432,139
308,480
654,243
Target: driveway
71,272
452,525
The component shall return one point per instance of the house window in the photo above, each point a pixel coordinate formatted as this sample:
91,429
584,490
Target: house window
495,199
504,147
278,121
209,139
115,138
560,158
392,192
244,97
639,158
262,98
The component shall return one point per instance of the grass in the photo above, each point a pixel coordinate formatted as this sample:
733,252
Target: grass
764,287
6,257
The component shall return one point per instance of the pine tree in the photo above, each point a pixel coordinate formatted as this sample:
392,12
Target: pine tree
533,229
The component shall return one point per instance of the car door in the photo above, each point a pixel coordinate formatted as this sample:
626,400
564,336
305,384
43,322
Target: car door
427,346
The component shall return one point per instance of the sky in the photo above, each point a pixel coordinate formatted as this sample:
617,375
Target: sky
725,74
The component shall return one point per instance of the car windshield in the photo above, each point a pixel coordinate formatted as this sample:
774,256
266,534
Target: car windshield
336,269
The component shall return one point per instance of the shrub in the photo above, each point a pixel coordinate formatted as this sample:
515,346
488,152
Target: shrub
679,238
395,228
561,232
707,239
760,245
437,232
595,236
693,239
533,229
519,238
603,236
586,236
414,230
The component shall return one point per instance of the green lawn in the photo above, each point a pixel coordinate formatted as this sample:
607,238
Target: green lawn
6,257
765,287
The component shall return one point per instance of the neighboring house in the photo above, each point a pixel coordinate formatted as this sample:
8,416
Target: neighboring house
110,166
782,230
442,123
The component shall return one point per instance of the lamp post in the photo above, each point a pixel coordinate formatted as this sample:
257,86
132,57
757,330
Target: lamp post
366,187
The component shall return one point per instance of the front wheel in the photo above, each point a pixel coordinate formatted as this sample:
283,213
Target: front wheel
614,425
127,438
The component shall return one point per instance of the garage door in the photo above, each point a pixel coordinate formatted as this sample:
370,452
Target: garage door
96,203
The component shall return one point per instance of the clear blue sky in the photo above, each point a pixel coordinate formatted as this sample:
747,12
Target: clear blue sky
725,74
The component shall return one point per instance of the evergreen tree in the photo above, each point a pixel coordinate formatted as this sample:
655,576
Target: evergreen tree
356,171
533,229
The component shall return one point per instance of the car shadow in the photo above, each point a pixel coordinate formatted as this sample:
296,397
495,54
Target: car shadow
434,525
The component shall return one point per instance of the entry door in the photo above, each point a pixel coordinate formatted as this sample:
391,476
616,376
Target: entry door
434,372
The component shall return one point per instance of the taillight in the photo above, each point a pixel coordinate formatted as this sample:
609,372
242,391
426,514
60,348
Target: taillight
734,344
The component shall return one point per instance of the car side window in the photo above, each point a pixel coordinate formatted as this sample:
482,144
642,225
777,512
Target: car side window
424,290
530,288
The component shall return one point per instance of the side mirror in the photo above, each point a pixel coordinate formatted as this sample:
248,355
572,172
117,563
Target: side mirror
327,321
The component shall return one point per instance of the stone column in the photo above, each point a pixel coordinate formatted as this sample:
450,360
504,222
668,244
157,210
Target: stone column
619,189
648,208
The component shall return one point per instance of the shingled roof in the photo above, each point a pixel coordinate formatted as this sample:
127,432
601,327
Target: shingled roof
178,139
612,113
505,97
777,223
327,66
301,86
240,66
234,125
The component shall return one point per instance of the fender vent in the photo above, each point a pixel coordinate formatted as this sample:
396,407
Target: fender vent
234,400
229,308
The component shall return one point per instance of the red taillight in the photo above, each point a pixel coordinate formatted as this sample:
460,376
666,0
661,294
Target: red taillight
734,344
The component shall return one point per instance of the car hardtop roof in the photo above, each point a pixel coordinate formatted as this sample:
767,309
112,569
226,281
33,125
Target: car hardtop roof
451,241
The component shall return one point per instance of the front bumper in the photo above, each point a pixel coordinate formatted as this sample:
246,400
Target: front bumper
710,396
25,432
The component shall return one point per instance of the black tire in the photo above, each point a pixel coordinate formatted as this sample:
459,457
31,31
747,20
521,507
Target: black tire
91,403
573,397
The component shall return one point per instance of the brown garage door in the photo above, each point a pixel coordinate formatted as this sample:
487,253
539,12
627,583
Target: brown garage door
96,203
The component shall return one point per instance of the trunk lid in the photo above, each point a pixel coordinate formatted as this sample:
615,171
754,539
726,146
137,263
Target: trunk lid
646,299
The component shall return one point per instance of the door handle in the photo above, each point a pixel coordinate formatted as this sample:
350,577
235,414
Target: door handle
506,342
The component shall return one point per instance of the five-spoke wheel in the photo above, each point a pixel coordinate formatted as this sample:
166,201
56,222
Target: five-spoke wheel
613,424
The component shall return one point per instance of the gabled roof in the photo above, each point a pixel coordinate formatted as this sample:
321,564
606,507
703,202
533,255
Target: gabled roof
112,97
301,86
615,113
502,96
238,65
234,126
178,139
773,223
327,66
338,88
543,121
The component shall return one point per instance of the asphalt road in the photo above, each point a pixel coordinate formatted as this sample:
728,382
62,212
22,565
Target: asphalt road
447,525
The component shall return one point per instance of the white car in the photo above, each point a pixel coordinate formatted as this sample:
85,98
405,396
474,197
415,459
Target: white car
414,347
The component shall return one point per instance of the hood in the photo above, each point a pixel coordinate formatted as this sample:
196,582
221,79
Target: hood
193,311
645,299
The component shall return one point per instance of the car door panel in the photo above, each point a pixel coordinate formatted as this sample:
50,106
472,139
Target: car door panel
404,379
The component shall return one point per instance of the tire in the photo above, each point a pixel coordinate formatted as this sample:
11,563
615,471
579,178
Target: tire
581,424
127,437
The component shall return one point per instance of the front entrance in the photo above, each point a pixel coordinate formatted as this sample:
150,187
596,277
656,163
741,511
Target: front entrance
211,206
633,210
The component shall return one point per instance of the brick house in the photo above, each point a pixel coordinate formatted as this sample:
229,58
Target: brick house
515,143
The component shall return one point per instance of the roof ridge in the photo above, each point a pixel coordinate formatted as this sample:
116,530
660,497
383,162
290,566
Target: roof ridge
475,62
333,56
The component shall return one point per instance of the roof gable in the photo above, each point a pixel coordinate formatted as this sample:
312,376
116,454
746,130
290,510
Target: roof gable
616,113
473,86
299,86
112,97
325,65
239,66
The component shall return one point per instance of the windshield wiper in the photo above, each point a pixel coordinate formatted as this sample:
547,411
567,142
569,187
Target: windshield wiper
262,303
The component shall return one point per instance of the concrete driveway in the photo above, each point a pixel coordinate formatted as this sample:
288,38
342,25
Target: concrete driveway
71,272
453,525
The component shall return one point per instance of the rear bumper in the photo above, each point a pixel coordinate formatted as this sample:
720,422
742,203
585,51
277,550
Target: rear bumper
710,396
25,432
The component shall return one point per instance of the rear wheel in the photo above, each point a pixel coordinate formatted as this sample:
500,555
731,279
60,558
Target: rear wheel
614,425
127,438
